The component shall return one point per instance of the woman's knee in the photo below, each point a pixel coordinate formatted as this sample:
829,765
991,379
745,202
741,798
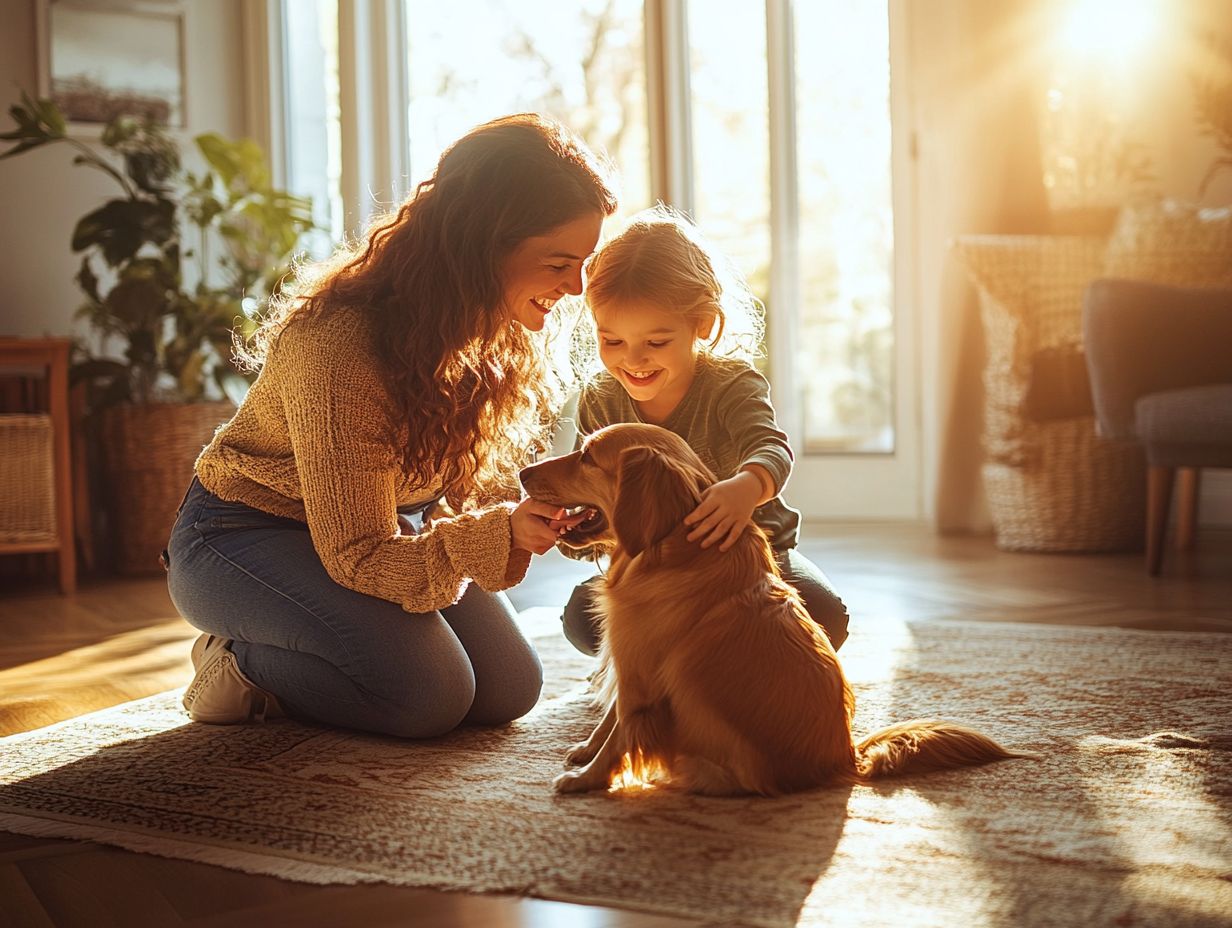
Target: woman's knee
510,697
429,711
510,690
457,698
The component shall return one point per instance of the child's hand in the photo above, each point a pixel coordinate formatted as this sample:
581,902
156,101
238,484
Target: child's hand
725,510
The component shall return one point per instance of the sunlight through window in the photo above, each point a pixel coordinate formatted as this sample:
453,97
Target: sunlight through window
582,63
731,141
845,355
314,139
1110,29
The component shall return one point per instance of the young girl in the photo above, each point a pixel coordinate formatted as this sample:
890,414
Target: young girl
404,370
676,328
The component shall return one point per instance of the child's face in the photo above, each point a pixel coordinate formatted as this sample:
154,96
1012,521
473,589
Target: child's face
652,353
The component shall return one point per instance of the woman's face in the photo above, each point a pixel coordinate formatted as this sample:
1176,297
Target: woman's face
546,267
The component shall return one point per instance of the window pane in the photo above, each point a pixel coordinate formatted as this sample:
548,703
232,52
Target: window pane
314,149
582,63
731,142
845,364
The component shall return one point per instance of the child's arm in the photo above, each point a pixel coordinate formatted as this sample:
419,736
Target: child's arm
749,423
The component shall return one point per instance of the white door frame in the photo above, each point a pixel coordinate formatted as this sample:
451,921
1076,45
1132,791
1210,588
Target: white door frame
851,485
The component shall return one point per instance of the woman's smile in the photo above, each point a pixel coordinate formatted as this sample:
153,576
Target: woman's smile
544,303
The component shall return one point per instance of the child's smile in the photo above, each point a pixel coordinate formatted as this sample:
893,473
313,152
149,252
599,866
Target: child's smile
652,353
641,378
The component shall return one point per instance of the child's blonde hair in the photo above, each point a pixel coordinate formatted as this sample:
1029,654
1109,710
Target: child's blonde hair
660,257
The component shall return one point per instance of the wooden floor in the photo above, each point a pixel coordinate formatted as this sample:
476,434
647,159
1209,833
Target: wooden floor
120,640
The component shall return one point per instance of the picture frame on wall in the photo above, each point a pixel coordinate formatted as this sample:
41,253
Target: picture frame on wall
102,58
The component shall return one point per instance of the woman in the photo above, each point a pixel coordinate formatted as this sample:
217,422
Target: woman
309,547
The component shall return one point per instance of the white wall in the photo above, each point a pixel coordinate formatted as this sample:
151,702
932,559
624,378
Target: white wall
42,194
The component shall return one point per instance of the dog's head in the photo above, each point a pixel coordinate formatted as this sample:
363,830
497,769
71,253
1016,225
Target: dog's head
639,481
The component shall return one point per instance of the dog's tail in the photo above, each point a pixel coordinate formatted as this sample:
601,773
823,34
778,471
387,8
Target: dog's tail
921,745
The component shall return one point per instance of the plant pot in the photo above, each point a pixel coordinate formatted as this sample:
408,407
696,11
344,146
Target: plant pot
148,456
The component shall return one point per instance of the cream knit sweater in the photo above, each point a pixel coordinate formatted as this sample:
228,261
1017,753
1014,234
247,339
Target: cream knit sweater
314,441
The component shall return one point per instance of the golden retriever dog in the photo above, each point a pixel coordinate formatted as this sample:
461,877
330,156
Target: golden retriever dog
717,680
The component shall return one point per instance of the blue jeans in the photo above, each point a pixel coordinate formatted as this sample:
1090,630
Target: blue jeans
582,626
333,655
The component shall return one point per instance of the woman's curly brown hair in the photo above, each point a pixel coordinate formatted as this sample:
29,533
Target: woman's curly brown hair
476,391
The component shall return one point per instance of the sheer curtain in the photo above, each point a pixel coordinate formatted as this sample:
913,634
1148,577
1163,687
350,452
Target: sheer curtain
974,73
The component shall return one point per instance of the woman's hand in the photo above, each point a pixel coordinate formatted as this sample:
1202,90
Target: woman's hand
529,523
725,510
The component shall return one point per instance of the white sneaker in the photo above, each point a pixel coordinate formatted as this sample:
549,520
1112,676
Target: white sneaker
220,694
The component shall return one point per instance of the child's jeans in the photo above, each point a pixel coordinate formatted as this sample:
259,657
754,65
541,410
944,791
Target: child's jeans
822,603
330,654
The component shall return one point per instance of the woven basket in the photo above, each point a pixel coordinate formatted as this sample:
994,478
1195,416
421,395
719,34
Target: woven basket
149,452
27,480
1052,485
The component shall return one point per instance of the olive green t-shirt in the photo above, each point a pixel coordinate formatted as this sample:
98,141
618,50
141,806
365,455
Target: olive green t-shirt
726,417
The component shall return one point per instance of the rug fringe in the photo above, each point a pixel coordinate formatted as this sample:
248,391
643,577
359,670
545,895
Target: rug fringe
300,871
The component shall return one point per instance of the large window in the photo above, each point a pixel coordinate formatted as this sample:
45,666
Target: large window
312,130
582,63
729,118
767,120
845,352
836,239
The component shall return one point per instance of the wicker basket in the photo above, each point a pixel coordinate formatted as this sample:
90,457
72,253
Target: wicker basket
149,452
27,480
1052,485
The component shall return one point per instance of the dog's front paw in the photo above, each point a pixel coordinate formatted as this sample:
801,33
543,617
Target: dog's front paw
575,781
581,753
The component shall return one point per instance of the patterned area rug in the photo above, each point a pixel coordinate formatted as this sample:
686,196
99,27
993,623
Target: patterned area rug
1126,819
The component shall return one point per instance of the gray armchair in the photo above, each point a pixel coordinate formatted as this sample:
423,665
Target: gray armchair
1160,363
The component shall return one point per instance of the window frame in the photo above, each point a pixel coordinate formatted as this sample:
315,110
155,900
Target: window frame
375,157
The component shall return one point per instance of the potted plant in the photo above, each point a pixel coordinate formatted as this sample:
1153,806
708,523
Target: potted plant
1212,87
173,269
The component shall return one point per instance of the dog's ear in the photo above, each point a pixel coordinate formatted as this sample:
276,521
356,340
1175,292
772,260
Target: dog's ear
653,495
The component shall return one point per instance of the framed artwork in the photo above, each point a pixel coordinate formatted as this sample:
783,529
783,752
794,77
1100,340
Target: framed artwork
102,58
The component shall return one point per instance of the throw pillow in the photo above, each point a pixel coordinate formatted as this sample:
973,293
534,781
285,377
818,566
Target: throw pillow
1171,242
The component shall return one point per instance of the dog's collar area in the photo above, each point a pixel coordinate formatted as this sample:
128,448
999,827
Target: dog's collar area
656,544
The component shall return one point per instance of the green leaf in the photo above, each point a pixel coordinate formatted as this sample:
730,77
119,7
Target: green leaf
120,130
52,118
240,165
220,155
137,301
119,228
87,280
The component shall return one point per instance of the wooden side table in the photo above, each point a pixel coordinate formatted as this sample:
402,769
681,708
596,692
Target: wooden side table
50,357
